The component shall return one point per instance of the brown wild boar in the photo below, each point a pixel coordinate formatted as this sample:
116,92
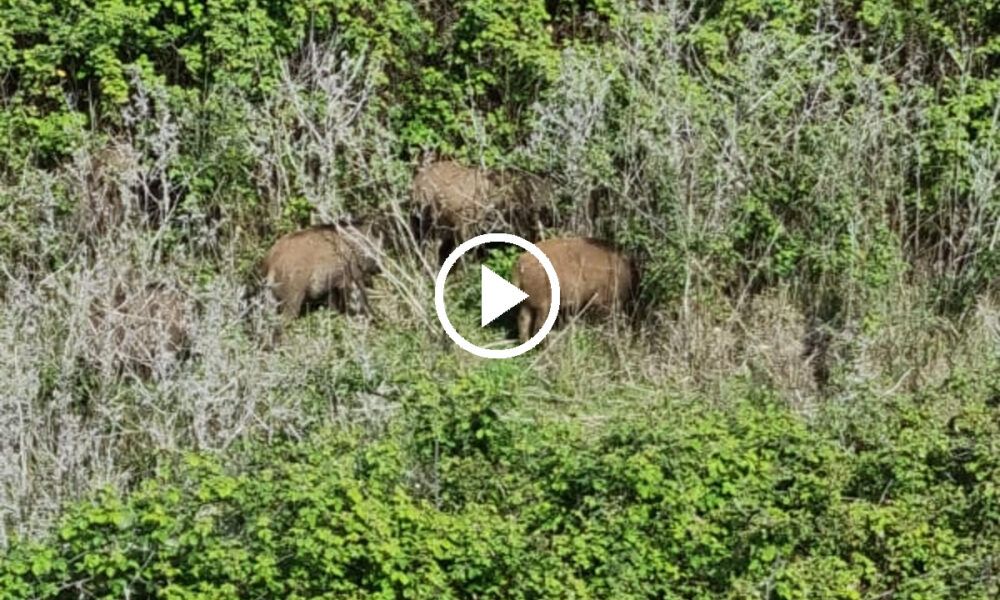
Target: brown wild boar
454,202
148,327
321,263
593,276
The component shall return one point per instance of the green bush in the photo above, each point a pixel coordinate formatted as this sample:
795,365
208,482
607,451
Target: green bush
66,62
840,174
469,496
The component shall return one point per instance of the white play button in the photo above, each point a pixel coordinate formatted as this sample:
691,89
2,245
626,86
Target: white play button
497,296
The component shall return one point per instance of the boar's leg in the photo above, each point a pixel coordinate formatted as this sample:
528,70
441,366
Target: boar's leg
291,305
355,297
524,323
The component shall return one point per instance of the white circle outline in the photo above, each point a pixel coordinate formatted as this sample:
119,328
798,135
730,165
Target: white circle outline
449,263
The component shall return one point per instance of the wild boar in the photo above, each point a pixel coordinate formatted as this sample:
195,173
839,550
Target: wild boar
593,276
323,263
453,202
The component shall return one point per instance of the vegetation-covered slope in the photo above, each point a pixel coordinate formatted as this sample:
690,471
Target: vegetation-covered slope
808,408
478,490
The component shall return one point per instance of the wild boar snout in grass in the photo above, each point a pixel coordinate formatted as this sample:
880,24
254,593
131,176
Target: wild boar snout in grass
593,276
324,263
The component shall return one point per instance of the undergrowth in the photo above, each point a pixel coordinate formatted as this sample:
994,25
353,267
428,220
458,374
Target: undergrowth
806,407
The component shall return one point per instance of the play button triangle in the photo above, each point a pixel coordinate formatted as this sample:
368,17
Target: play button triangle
498,296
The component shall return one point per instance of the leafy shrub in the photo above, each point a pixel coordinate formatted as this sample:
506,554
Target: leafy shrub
689,502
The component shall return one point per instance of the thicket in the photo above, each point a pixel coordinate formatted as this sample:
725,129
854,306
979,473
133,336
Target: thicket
474,494
838,145
808,410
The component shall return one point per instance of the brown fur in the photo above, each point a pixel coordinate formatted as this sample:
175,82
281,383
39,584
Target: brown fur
456,202
593,276
315,264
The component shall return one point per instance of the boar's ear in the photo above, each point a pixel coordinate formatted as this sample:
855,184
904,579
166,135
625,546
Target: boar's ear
497,177
427,158
369,265
347,221
374,231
